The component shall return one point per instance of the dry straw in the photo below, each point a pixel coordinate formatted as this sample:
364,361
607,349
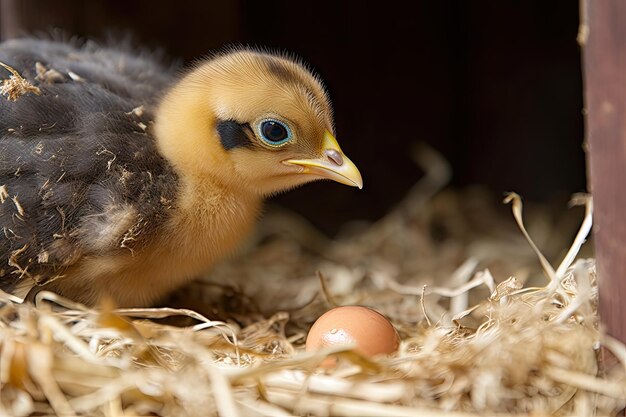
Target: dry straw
484,332
16,86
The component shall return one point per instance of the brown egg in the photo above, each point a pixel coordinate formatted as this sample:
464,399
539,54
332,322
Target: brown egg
372,333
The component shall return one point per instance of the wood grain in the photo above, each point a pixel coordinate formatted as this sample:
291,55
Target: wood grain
603,37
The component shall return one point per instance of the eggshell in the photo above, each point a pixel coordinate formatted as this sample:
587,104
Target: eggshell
370,330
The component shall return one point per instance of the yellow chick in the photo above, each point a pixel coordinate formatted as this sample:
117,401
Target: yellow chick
119,180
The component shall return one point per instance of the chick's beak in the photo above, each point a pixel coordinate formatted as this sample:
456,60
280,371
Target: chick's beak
334,165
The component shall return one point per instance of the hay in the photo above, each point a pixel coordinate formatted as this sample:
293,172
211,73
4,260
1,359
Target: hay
16,86
484,329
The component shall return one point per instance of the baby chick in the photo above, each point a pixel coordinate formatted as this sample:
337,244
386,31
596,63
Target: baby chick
119,179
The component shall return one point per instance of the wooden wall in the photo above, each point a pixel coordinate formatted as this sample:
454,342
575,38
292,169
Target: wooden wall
605,102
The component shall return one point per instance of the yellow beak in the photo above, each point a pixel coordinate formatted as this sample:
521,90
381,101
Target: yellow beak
334,165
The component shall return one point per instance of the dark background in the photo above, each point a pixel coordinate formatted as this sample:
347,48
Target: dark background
495,86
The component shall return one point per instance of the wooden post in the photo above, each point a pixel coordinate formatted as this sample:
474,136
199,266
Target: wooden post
603,40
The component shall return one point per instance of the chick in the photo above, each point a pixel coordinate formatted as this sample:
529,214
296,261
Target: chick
119,179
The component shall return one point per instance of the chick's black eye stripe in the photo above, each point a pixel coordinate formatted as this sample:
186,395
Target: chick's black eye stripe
234,135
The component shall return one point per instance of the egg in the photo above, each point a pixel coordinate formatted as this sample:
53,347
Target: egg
372,333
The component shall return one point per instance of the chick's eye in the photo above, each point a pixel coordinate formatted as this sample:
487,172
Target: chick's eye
274,133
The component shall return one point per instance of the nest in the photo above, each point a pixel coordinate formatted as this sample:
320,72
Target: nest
488,325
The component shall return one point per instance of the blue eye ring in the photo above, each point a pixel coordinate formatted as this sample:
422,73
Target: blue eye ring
274,133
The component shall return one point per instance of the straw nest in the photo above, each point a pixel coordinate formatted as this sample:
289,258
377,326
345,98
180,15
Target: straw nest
488,326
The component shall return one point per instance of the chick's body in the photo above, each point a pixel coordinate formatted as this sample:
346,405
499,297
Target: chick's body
111,187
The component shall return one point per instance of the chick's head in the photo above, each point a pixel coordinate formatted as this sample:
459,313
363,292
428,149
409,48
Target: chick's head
254,120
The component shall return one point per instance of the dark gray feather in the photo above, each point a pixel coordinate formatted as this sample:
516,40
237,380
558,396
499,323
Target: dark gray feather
79,150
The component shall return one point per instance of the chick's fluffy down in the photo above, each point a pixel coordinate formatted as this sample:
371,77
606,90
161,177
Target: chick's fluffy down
79,171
